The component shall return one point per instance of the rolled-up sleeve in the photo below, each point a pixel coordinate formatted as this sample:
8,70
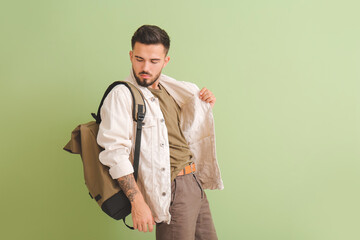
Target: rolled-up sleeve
116,131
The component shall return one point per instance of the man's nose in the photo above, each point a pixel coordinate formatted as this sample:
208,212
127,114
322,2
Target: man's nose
146,66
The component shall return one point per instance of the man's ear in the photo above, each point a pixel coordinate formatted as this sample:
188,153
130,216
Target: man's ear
167,59
130,54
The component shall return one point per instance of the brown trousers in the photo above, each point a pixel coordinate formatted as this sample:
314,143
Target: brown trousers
190,213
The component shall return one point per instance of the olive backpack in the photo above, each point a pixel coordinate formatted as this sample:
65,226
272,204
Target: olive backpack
102,187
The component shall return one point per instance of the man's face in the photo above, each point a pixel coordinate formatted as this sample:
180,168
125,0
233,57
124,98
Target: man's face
147,63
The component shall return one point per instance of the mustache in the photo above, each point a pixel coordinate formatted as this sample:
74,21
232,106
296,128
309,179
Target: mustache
143,72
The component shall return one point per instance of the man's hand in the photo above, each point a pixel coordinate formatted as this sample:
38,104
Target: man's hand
140,211
141,215
207,96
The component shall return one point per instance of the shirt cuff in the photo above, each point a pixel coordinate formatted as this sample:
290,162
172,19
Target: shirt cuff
118,171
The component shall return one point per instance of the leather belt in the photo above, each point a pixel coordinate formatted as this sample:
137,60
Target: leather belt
188,169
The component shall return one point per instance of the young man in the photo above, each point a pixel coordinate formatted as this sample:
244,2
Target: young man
177,158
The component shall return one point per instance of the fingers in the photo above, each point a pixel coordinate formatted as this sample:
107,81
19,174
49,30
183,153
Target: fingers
202,90
143,227
140,228
151,227
207,96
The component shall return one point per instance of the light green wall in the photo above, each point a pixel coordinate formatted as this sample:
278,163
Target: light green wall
286,77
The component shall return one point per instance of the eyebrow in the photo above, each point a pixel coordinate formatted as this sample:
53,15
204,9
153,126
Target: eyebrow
152,59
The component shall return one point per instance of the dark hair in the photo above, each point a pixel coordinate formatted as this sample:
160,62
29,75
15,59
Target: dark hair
151,34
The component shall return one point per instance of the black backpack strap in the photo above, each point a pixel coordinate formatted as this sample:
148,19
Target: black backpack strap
139,124
138,99
138,116
132,228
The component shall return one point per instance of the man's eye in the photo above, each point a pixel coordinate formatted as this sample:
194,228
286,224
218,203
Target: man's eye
139,60
155,61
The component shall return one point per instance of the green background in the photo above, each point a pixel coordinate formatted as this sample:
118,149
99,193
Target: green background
286,77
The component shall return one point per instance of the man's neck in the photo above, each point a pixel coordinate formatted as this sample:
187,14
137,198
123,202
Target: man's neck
155,85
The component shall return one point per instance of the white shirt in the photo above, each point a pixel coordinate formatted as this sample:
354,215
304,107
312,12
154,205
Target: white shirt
117,136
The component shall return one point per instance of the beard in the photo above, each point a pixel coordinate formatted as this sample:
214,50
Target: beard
146,82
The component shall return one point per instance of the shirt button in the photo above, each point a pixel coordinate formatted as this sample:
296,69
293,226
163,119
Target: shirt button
152,99
163,169
164,193
162,120
161,144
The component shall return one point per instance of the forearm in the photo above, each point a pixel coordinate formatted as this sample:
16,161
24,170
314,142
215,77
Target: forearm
130,188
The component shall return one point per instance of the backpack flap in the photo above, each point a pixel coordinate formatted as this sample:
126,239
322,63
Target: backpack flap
73,146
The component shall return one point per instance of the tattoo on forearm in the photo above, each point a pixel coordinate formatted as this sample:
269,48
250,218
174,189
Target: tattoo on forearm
127,184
